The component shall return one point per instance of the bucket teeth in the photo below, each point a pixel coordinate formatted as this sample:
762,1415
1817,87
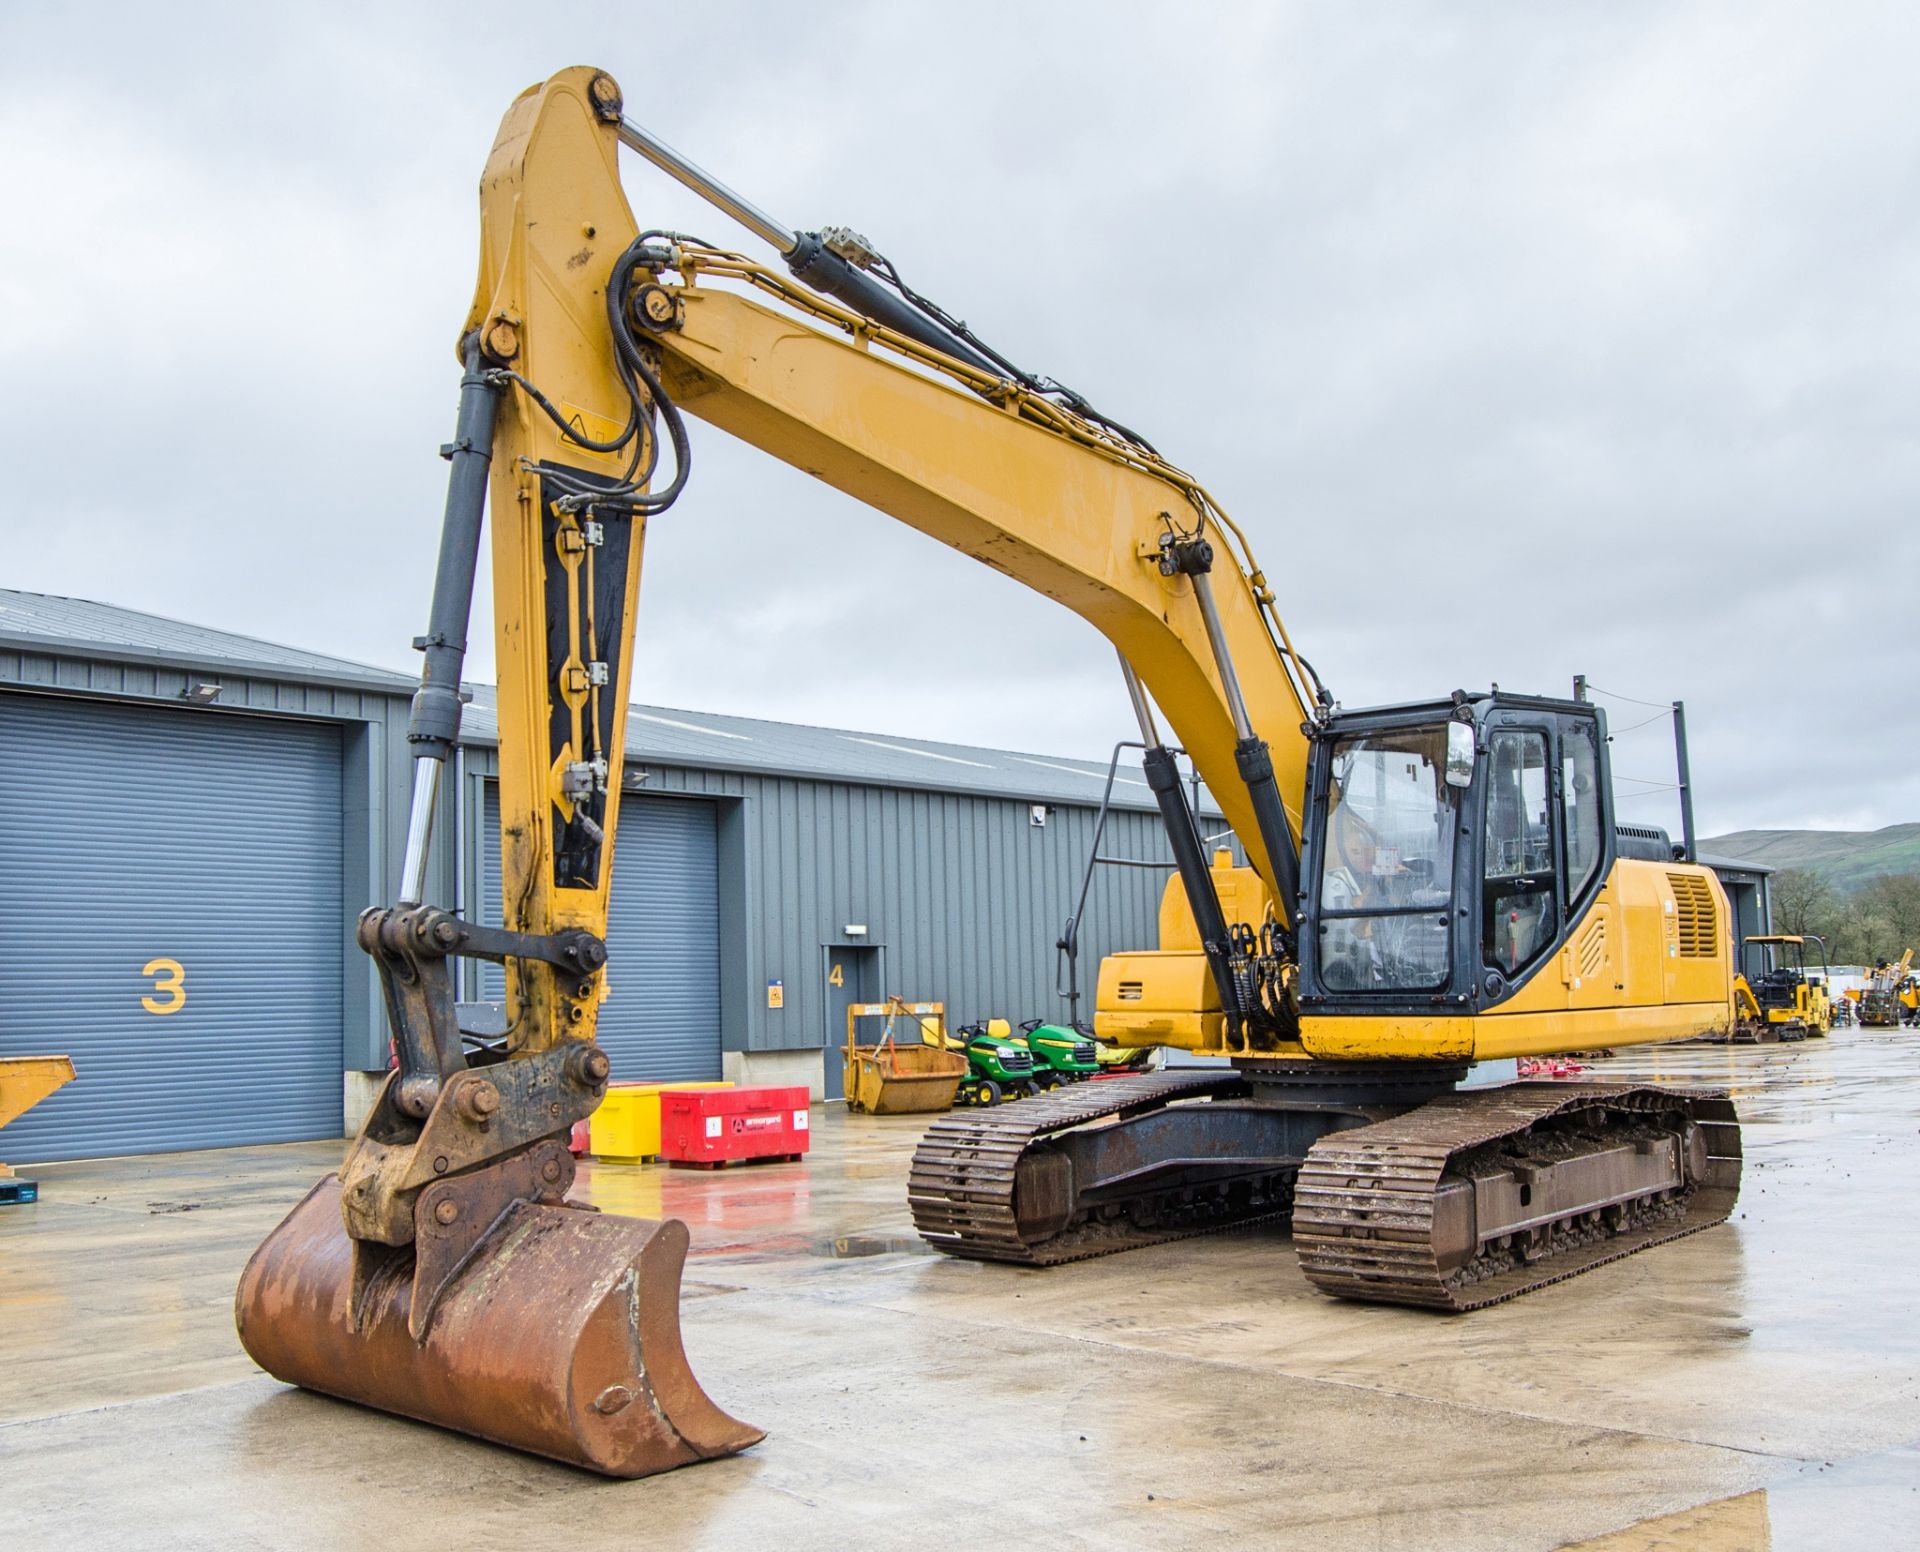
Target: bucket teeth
560,1336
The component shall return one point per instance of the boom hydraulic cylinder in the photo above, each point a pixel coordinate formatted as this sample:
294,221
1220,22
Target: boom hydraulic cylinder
1250,752
1189,854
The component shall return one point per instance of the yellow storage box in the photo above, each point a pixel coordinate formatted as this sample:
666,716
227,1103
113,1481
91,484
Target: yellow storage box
626,1127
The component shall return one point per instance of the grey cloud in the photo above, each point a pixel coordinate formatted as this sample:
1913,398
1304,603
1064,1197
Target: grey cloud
1523,343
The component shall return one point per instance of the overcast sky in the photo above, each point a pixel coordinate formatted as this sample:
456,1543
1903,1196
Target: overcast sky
1523,341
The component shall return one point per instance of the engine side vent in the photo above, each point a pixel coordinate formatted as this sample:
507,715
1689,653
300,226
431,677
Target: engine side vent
1695,916
1593,948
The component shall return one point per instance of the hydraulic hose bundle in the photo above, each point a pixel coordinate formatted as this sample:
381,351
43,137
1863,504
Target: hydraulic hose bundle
628,497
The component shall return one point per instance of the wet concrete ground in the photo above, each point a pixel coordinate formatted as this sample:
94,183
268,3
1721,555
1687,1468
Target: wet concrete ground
1754,1385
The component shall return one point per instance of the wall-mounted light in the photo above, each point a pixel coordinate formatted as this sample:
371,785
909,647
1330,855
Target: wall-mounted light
1037,814
635,777
202,692
855,929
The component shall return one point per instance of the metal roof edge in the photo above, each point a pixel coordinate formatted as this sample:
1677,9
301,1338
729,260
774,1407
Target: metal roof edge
1735,864
778,772
382,681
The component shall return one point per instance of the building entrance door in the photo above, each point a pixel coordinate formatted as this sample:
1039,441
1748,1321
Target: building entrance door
853,975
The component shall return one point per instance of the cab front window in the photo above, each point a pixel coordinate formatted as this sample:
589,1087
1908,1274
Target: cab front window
1386,882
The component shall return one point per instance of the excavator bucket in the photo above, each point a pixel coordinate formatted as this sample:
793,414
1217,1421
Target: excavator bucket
558,1334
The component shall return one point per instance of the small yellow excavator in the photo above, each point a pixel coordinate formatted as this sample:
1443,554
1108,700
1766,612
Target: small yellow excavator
1427,884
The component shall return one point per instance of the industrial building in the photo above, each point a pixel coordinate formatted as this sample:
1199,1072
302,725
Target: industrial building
190,820
1749,893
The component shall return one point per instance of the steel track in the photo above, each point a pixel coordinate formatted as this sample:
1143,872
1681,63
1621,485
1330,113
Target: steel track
961,1185
1362,1204
1364,1201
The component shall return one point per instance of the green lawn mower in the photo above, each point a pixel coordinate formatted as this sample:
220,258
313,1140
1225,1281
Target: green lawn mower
998,1066
1062,1054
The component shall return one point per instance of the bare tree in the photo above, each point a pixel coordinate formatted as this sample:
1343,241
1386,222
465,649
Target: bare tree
1803,902
1896,898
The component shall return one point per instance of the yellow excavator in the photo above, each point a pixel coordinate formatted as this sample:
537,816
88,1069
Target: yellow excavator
1427,885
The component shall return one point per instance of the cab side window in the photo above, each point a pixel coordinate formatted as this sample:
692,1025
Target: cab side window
1580,798
1519,897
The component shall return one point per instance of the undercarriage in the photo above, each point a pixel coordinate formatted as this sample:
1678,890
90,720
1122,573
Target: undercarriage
1400,1189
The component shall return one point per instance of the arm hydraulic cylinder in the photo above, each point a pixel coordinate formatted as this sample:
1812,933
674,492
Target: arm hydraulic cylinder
434,726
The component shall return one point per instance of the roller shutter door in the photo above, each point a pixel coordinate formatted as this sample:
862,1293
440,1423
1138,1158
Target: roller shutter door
170,916
661,1019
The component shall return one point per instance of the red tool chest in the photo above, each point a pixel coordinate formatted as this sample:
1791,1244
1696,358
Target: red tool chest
708,1128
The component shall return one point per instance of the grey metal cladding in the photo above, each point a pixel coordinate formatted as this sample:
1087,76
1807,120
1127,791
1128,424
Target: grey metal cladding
88,647
130,835
930,845
711,741
963,894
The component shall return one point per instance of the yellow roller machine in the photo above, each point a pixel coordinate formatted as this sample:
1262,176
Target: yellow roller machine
1430,883
1778,996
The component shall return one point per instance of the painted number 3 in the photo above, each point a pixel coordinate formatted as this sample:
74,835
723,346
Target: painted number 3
169,994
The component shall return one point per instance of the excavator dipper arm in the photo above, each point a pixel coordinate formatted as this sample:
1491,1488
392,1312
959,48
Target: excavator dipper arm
443,1273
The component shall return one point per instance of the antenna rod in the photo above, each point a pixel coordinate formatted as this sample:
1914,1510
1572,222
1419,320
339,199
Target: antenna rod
1686,781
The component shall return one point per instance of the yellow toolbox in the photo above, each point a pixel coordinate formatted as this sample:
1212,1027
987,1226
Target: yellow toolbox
626,1127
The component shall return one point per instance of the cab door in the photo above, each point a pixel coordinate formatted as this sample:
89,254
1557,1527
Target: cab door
1592,958
1520,897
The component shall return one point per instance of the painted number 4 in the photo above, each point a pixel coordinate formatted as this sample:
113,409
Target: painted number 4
836,976
169,994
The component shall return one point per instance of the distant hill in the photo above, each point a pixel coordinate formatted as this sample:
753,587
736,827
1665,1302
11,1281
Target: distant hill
1846,858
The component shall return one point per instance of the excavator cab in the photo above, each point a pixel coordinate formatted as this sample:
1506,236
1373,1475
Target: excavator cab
1448,850
1463,893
